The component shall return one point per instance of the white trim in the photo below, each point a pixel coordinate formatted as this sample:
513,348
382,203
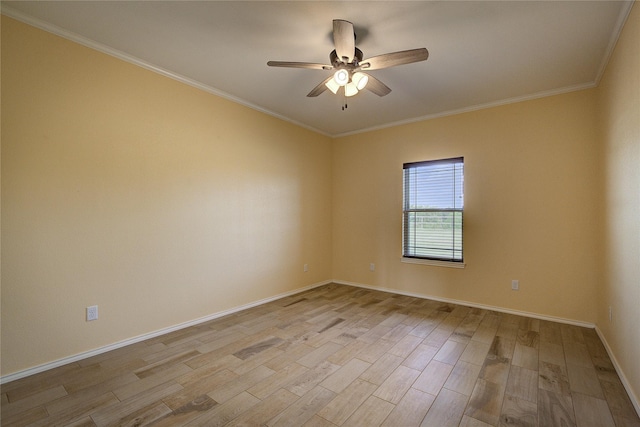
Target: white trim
625,382
613,41
434,262
84,355
507,101
470,304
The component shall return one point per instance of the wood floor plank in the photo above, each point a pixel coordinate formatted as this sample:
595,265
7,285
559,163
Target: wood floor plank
485,334
34,400
577,354
591,411
555,409
420,357
584,380
318,355
447,410
80,407
450,352
374,351
131,389
525,357
467,421
348,352
411,410
495,370
518,412
550,332
307,381
222,414
381,369
144,416
433,377
618,400
523,384
554,378
438,336
195,389
397,384
372,412
345,404
507,331
303,409
339,355
405,346
475,352
262,412
113,414
280,379
551,353
34,415
463,377
15,393
486,402
240,384
344,376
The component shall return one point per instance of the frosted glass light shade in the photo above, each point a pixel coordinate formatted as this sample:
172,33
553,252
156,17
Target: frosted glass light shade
350,89
332,86
341,77
360,80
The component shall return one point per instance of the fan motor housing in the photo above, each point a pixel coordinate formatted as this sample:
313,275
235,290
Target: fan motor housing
337,62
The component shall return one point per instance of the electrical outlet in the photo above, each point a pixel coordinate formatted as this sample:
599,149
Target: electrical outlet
92,313
305,267
372,267
515,285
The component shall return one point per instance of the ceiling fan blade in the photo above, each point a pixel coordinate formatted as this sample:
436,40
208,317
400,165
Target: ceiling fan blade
344,39
396,58
377,87
309,65
320,88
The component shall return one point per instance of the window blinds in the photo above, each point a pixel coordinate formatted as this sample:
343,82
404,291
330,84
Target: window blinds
432,209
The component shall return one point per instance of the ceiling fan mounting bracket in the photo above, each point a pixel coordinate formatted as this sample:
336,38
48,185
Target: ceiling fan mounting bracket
341,63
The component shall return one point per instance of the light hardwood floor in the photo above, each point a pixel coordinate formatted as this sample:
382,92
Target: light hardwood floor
339,356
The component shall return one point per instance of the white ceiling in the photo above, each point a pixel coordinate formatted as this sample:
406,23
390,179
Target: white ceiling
482,53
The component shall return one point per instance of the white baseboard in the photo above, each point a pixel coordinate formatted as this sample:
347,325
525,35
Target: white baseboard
470,304
84,355
625,382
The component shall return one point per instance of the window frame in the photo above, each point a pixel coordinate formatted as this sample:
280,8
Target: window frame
411,257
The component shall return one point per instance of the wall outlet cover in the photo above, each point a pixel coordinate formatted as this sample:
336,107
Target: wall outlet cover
92,313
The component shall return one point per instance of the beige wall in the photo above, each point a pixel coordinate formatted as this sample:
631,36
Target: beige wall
619,104
158,202
529,206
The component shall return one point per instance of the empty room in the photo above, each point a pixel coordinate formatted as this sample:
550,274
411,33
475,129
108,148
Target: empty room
421,213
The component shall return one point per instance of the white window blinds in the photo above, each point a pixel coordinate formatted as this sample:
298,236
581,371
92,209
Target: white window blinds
432,209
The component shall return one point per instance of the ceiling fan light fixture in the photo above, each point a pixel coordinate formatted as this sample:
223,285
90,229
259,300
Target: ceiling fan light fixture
341,77
332,86
350,89
360,80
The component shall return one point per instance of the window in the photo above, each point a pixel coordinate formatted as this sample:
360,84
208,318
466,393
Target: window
432,210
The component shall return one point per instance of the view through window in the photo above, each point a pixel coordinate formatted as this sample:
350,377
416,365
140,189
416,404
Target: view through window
432,209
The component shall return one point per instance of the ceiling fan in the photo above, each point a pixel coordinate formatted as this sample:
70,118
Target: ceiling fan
348,62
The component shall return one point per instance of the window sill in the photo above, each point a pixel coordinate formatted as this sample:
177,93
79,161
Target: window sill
434,262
